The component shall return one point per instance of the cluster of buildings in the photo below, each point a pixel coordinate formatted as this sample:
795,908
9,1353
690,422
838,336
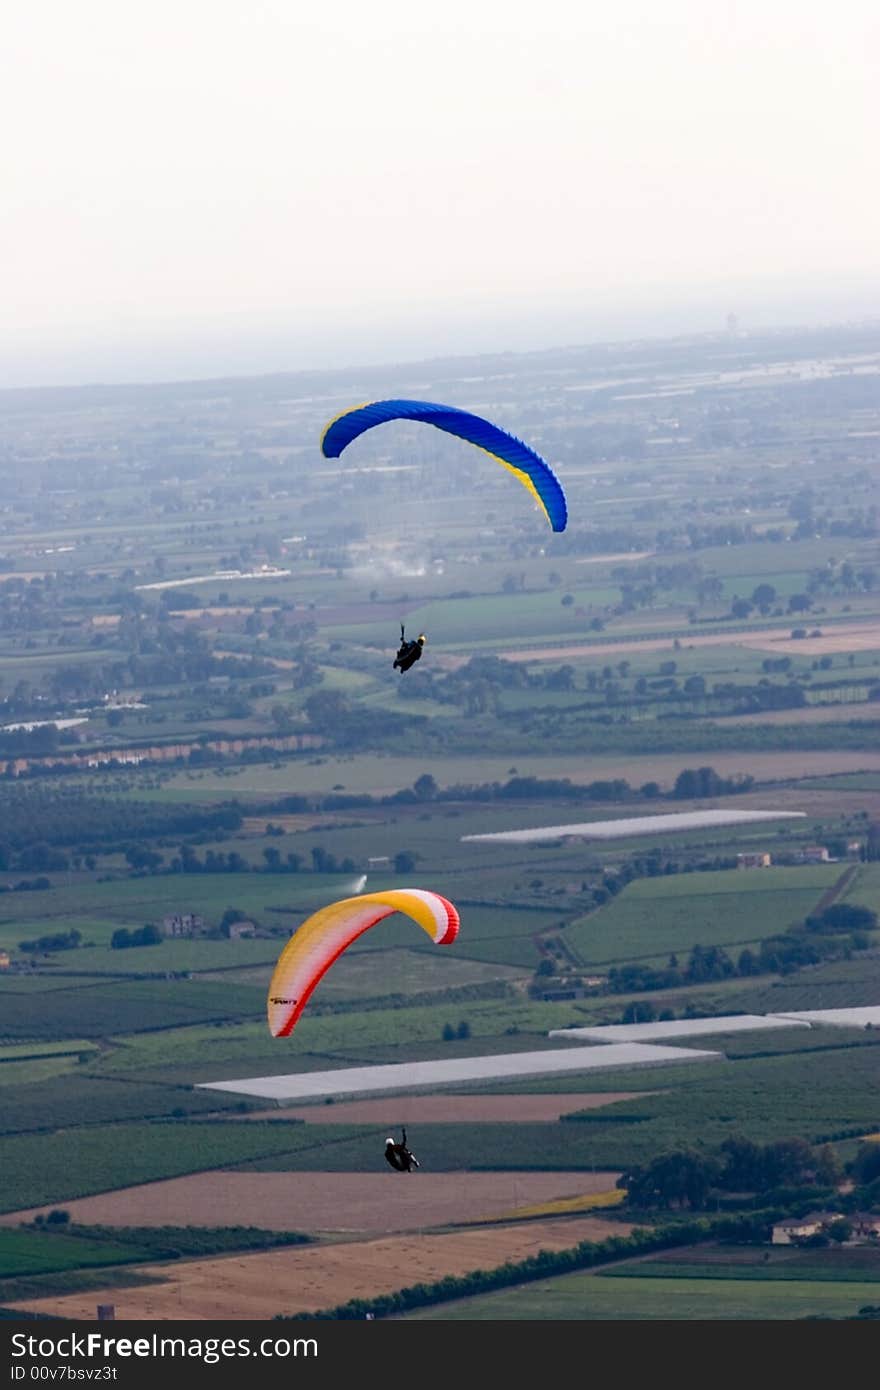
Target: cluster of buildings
864,1227
174,924
805,854
191,924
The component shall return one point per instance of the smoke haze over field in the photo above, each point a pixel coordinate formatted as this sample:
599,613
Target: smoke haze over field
204,188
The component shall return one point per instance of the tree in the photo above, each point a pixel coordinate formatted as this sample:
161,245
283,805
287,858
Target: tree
639,1011
697,782
710,589
742,1165
232,914
848,917
282,718
801,506
425,787
865,1167
326,708
799,603
829,1169
681,1178
562,679
404,862
140,858
764,597
788,1163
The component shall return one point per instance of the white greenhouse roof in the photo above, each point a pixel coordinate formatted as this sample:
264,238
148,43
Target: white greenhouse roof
351,1081
723,1023
635,825
682,1027
839,1018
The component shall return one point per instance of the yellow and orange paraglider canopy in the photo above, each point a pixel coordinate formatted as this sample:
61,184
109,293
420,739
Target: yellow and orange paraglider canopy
322,938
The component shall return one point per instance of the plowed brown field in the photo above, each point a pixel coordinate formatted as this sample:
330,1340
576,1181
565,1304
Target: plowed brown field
353,1203
444,1109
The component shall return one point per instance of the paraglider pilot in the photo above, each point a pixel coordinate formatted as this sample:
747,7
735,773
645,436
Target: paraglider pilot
408,653
399,1156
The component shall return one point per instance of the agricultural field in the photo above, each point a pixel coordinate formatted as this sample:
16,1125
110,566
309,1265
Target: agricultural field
846,781
334,1204
383,775
25,1253
121,1005
222,629
854,1263
652,919
285,1282
589,1296
46,1169
694,1282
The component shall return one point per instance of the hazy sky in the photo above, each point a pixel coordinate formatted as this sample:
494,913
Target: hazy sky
198,186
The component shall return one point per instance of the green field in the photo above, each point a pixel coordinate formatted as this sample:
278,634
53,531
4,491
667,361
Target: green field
842,984
655,917
29,1257
364,975
586,1297
120,1005
76,1162
278,902
348,1034
849,1263
700,1281
39,1252
865,888
86,1098
845,782
27,1051
508,617
384,773
133,901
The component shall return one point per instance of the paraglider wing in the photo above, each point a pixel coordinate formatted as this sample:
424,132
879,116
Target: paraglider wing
505,448
322,938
